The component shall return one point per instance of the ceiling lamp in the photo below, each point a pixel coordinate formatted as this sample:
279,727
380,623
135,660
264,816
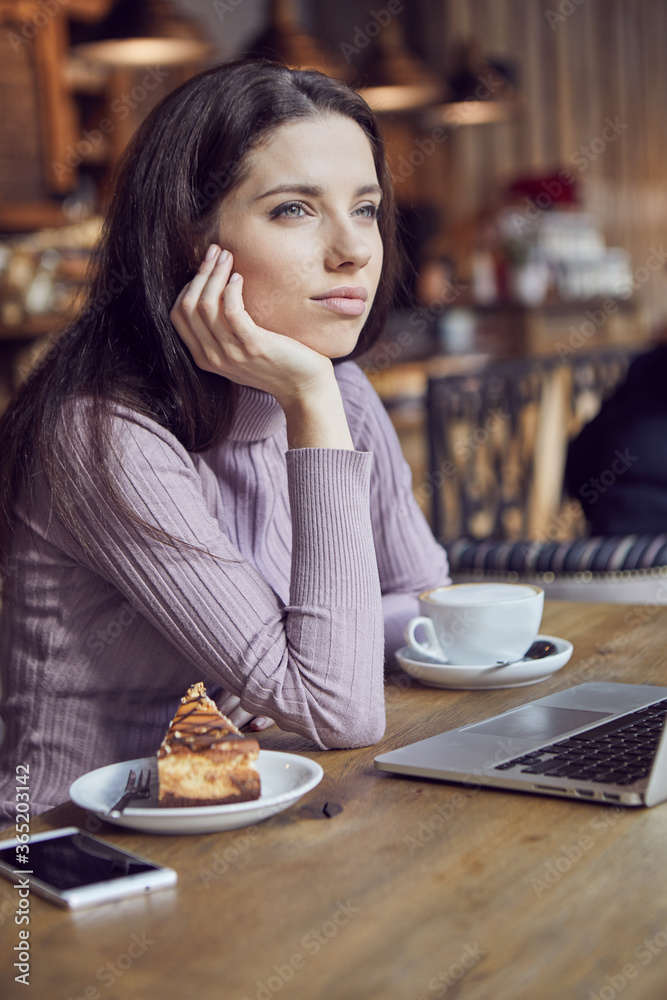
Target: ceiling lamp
140,52
394,78
286,41
481,91
137,33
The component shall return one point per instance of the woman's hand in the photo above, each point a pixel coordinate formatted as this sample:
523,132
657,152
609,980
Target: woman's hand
211,319
229,705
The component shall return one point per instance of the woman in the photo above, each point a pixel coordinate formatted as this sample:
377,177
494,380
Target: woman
192,490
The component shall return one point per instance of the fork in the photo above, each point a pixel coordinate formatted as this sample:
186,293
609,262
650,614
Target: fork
136,788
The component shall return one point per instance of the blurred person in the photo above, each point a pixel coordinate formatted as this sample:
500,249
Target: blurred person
617,465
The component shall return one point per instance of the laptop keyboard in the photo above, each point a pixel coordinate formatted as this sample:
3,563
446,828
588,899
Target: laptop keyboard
619,752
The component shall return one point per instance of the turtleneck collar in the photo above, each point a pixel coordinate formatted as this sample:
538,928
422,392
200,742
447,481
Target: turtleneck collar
258,416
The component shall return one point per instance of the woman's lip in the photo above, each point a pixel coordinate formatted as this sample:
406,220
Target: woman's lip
345,306
348,300
344,292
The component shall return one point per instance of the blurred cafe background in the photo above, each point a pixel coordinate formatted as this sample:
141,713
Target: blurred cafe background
528,143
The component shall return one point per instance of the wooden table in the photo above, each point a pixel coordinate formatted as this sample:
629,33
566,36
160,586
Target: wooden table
415,890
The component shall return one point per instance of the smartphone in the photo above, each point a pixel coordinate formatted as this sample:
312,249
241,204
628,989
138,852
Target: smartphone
74,869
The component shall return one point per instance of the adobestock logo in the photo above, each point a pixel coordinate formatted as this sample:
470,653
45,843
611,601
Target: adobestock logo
107,974
423,148
645,952
463,449
596,318
596,486
120,108
112,631
223,860
222,7
312,943
40,16
585,155
566,9
439,985
363,35
553,188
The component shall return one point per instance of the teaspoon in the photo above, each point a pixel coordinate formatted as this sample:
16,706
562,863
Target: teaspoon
538,649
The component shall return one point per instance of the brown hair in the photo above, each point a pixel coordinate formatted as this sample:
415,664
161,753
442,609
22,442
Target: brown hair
189,153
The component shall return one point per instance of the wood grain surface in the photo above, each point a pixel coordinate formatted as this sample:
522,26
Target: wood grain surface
376,887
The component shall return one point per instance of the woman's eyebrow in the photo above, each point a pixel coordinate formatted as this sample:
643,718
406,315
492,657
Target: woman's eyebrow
369,189
315,191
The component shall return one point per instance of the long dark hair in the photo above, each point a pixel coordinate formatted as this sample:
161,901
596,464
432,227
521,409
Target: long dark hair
189,153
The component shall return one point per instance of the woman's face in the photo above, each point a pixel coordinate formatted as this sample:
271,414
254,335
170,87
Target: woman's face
302,227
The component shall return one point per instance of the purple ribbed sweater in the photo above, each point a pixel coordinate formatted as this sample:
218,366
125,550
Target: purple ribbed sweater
314,560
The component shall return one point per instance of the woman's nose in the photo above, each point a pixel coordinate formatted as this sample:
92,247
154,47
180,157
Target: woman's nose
346,247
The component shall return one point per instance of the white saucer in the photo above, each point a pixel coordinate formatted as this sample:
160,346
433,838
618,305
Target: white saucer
447,675
285,778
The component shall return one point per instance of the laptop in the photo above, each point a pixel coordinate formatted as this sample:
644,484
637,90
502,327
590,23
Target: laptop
600,741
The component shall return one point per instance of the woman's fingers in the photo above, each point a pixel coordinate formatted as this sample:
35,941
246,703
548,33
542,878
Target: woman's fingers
240,717
197,312
230,706
211,319
190,293
261,722
207,300
228,703
257,723
234,311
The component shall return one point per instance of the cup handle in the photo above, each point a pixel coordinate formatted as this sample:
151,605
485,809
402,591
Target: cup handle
431,647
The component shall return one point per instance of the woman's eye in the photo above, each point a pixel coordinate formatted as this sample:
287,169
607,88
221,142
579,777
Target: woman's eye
299,210
368,211
291,210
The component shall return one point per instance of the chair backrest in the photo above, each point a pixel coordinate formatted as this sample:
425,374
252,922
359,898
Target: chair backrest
36,107
498,442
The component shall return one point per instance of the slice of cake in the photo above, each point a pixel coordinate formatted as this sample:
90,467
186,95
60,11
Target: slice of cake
204,760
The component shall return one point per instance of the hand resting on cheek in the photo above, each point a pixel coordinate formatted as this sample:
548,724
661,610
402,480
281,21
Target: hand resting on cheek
210,317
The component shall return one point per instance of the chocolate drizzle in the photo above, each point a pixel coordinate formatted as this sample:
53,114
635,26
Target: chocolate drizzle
199,725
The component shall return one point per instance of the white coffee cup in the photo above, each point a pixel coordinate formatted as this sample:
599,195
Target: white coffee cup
477,624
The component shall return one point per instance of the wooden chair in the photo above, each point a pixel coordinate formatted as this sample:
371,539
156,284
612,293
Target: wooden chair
37,110
497,447
498,441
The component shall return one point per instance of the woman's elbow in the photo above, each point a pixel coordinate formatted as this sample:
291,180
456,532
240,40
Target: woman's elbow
353,731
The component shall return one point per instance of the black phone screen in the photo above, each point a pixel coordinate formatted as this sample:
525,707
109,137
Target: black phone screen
77,859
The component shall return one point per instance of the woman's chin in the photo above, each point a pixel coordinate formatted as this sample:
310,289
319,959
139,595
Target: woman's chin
332,344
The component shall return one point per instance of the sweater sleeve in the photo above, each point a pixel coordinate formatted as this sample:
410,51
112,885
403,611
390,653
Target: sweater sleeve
410,560
315,665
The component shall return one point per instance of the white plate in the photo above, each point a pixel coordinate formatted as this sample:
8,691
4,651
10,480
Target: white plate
448,675
285,778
